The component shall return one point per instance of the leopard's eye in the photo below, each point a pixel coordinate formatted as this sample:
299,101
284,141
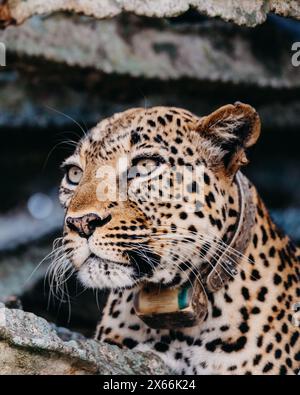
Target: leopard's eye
73,174
143,166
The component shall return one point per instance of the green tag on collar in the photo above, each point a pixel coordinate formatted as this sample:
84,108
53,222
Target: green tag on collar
171,308
183,298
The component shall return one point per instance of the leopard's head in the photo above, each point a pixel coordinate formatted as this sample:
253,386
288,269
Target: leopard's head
149,194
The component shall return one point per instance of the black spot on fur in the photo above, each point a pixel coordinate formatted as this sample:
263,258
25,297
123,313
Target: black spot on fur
255,240
161,347
216,312
277,279
224,328
294,338
238,345
264,235
257,359
135,327
209,198
129,343
245,293
206,179
259,341
183,215
255,310
272,252
244,327
282,370
135,138
255,275
161,120
262,293
268,367
151,123
278,353
211,346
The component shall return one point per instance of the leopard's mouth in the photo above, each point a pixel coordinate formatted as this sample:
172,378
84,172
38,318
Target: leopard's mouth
104,261
102,273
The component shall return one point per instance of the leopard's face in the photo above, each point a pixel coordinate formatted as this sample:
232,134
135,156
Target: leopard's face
146,195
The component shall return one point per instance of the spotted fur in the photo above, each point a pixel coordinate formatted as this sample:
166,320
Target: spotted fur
249,328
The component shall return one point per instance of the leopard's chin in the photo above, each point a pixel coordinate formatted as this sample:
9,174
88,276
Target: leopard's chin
99,273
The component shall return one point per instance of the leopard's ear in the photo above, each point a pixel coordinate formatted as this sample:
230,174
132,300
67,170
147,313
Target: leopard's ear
233,128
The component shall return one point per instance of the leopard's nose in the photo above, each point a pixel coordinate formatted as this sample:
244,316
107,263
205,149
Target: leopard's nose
86,225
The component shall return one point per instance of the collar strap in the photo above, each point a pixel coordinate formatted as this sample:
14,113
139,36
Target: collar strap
226,264
188,306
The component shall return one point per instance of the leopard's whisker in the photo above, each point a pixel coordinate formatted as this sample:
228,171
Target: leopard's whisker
141,252
196,274
56,274
223,248
220,250
189,249
220,241
69,117
48,256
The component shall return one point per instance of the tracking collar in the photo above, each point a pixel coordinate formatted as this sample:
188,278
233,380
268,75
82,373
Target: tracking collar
174,308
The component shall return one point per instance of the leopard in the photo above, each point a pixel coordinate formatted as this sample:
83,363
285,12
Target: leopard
119,242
